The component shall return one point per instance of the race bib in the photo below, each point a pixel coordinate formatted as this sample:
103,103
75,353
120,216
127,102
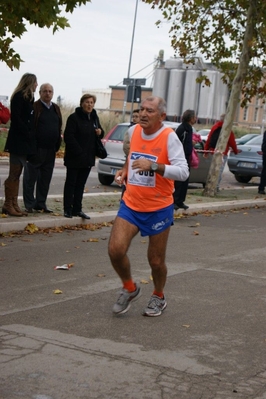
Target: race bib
144,179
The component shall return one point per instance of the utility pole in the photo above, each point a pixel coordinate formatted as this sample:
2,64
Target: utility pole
130,58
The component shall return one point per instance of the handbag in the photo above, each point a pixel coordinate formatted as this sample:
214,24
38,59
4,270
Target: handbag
194,159
100,150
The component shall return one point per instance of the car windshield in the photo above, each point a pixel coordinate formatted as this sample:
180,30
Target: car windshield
119,133
255,141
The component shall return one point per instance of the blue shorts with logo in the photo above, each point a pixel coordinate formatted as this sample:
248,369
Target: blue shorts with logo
148,223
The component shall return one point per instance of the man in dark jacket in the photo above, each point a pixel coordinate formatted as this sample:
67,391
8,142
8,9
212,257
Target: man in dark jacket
39,168
184,132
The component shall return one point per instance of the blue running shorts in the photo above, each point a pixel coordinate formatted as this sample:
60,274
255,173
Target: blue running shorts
148,223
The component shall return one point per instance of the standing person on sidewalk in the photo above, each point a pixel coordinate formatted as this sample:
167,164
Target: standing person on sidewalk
261,189
20,140
82,129
39,168
211,142
155,160
185,134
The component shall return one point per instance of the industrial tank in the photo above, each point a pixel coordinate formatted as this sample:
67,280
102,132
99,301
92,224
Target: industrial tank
221,98
191,90
160,86
207,97
175,93
174,63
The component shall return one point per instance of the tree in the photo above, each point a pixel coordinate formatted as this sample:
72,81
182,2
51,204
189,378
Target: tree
230,34
14,15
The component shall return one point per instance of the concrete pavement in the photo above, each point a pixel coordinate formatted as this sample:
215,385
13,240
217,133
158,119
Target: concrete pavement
208,344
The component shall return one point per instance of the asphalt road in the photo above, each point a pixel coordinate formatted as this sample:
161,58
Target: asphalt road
210,343
93,185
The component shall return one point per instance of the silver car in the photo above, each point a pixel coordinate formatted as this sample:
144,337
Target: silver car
248,162
116,158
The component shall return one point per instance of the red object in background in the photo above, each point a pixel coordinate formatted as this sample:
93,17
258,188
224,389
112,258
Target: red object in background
4,114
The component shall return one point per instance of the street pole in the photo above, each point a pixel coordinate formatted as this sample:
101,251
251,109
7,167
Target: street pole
130,58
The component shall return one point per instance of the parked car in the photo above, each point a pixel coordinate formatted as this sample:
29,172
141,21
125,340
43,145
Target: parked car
204,134
244,139
248,162
116,158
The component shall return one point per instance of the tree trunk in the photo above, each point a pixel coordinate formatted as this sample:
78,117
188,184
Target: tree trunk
212,179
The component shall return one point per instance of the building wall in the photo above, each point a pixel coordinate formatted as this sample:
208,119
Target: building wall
118,98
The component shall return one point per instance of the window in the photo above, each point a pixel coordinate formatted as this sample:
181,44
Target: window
245,114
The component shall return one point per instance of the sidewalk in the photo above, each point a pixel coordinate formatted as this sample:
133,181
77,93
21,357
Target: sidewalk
102,207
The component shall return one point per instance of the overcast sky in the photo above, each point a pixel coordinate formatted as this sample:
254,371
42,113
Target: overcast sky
94,53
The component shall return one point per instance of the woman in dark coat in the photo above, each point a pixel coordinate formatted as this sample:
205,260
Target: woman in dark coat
20,140
185,134
82,129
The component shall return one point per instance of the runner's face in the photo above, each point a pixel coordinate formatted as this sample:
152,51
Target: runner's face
150,116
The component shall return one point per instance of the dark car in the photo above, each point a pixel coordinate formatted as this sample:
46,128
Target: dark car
248,162
116,158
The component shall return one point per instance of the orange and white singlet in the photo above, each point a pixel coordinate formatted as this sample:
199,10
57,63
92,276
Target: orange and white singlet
148,191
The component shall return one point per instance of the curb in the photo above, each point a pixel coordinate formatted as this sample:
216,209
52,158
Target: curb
50,221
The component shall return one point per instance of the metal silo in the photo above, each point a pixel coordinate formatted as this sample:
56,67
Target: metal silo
160,85
207,97
191,90
174,63
175,93
221,97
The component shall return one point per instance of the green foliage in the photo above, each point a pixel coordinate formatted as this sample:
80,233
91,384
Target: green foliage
216,30
15,14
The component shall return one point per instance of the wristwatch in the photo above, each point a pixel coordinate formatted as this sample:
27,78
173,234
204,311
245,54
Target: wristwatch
154,166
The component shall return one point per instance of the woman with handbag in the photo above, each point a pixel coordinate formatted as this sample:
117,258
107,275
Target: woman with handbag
82,132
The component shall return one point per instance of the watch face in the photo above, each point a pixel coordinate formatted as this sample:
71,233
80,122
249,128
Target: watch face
154,166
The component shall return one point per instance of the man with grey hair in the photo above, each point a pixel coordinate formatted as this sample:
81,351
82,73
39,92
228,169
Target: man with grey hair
156,158
39,168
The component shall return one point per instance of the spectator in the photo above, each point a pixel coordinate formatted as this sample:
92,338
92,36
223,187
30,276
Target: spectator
82,129
135,117
262,184
212,140
185,133
20,140
156,158
39,168
4,114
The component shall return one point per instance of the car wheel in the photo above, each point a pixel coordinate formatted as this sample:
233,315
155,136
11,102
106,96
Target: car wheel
106,180
242,179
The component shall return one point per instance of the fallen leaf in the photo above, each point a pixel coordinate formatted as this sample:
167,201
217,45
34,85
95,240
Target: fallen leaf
144,282
186,325
3,215
196,233
151,278
101,275
3,245
31,228
58,292
93,240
